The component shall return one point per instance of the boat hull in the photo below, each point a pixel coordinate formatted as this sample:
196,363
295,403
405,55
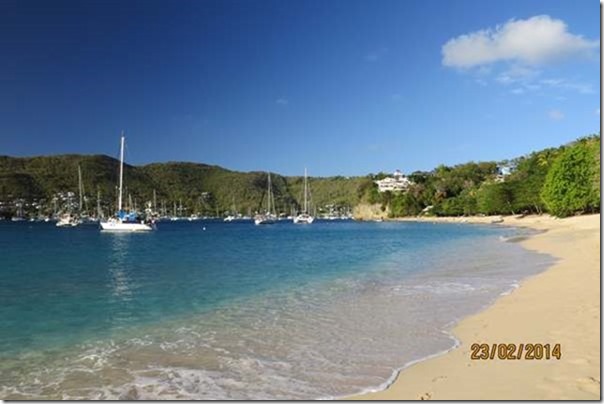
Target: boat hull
304,219
264,220
126,227
68,220
67,224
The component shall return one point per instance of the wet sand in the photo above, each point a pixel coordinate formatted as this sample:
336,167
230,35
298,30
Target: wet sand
558,306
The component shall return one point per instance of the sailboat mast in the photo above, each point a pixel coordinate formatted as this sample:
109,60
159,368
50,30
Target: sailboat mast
119,200
269,194
99,212
80,185
305,192
154,201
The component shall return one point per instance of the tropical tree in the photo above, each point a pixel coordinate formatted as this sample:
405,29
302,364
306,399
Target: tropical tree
572,185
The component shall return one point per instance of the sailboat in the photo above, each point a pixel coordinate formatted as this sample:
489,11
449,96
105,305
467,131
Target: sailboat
233,215
304,217
68,219
125,221
99,210
174,216
19,217
84,217
269,217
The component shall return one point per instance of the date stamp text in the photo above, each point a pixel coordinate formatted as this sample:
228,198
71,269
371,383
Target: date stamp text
515,351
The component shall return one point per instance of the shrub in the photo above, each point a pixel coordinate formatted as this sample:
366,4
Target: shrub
572,184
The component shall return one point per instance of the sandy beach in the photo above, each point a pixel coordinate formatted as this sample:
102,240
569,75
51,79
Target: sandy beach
558,306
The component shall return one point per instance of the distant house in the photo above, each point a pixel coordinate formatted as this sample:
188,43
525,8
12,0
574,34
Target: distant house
502,172
397,183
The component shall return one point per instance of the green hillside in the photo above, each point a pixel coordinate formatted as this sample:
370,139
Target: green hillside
562,181
200,188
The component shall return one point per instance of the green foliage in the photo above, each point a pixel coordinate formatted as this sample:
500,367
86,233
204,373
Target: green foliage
462,204
19,184
495,198
339,190
405,204
451,190
572,184
526,182
561,180
368,191
472,188
200,188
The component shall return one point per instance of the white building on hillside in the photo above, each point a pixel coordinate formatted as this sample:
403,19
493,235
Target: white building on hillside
503,172
397,183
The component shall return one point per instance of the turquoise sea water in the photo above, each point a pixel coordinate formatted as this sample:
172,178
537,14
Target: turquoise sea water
203,310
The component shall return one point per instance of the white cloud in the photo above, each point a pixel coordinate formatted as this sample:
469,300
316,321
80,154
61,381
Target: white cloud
597,111
282,101
536,40
517,74
529,83
517,91
582,88
555,115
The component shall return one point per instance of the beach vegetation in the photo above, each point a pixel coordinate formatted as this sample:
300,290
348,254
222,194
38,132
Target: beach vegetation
561,181
572,185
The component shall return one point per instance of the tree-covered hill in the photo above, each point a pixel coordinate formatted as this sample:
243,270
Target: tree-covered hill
199,188
562,181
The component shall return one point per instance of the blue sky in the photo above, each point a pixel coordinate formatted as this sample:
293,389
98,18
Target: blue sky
342,87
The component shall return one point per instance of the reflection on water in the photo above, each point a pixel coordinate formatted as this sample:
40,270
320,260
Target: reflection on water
120,281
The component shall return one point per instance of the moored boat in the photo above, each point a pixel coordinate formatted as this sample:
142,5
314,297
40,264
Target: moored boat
304,217
125,221
68,220
269,217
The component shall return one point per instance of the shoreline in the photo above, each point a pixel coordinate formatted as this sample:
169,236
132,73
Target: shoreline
560,305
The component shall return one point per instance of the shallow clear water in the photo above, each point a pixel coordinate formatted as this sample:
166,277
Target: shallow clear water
238,311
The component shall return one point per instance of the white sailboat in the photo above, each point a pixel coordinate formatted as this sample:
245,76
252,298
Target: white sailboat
125,221
68,219
174,216
304,217
269,217
99,210
83,217
233,215
19,217
80,190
